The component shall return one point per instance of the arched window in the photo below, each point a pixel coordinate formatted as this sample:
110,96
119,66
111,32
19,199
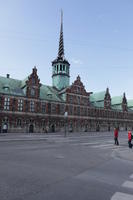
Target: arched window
19,122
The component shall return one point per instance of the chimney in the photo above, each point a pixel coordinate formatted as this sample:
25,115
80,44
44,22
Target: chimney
8,76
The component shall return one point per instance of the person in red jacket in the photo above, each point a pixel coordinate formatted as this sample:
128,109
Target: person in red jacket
116,136
130,139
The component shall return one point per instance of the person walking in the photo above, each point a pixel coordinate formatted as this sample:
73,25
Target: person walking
130,139
116,136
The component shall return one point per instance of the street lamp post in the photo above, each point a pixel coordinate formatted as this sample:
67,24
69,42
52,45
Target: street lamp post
65,117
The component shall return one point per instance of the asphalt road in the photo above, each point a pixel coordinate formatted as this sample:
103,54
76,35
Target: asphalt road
86,166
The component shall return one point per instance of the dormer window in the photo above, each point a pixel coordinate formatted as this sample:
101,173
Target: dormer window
49,95
6,87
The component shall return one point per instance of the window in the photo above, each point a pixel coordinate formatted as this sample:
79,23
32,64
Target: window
49,108
78,89
19,122
33,80
26,105
70,110
78,99
32,92
54,108
78,110
62,109
32,106
6,103
43,107
20,104
60,67
63,67
71,99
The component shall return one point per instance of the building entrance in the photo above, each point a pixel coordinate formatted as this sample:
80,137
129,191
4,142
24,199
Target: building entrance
53,128
31,128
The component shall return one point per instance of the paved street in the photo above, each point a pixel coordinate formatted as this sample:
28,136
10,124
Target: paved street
80,166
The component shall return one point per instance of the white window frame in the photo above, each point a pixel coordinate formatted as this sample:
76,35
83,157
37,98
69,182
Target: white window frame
32,106
7,103
20,104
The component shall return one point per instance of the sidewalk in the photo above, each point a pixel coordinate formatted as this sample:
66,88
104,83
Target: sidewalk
126,153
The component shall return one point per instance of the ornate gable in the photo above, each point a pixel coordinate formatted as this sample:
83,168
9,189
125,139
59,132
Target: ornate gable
33,85
124,102
107,100
77,88
76,93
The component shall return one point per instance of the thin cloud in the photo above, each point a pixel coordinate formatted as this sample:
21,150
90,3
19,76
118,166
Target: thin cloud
77,61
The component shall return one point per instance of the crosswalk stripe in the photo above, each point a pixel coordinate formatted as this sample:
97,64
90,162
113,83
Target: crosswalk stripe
122,196
105,146
128,184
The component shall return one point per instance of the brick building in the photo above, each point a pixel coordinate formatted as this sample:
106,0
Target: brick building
29,106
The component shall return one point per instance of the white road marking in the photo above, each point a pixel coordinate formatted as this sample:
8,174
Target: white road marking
104,146
128,184
122,196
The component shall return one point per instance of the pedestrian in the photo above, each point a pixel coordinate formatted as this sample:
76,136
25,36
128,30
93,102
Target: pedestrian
116,136
5,128
130,139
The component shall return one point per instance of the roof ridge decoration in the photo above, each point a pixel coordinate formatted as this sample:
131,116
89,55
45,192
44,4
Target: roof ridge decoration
124,98
107,94
77,87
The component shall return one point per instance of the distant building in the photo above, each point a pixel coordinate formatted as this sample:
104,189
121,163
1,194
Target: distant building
29,106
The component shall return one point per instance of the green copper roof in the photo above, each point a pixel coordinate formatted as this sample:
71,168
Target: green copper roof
99,96
49,93
116,107
130,103
16,87
116,100
130,109
23,82
10,86
99,104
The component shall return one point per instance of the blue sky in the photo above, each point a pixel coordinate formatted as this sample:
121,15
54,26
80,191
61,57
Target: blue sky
98,39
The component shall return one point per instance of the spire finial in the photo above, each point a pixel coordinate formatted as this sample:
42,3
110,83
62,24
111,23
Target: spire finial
61,16
61,42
